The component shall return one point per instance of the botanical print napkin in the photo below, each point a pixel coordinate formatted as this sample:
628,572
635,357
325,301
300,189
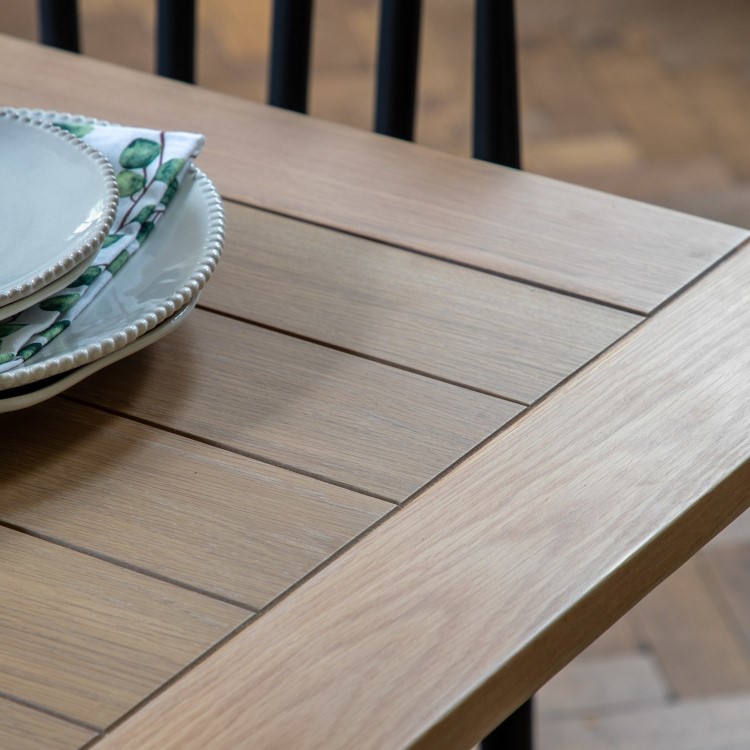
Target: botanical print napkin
149,166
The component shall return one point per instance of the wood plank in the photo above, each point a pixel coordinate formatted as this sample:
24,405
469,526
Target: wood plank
514,223
195,514
334,415
683,623
89,640
23,728
587,686
469,327
687,725
470,598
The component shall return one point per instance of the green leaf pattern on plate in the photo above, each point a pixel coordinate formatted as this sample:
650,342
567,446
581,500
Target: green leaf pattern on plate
129,183
118,262
87,278
78,129
60,302
149,166
169,192
169,170
139,153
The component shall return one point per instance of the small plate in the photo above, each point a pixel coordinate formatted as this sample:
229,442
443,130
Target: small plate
30,395
161,278
58,198
46,291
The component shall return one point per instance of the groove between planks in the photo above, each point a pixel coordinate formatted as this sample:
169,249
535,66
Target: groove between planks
191,513
523,225
328,413
502,337
571,515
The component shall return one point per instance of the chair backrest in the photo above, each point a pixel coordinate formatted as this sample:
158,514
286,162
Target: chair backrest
496,118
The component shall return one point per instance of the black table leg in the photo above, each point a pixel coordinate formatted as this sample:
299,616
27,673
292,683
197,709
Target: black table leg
515,733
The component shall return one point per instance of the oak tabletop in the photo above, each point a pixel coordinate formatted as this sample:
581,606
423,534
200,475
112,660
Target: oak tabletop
434,426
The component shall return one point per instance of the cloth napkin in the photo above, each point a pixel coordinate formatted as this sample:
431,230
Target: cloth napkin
149,166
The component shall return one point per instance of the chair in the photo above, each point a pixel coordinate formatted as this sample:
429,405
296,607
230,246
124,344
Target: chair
495,130
495,127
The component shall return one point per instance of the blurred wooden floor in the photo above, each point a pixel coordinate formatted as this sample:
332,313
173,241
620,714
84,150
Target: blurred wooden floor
644,98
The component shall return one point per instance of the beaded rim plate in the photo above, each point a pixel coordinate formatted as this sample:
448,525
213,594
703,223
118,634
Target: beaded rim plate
163,277
30,395
59,204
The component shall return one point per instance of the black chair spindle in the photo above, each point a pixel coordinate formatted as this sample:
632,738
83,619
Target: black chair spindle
290,54
398,59
175,39
58,24
496,116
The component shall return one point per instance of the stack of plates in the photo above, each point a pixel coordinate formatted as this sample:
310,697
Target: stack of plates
60,203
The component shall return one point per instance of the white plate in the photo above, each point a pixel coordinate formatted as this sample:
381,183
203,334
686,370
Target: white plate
30,395
162,277
46,291
58,198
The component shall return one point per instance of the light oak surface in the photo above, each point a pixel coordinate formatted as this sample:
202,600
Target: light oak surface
623,253
473,328
288,523
24,728
87,639
347,419
572,514
197,515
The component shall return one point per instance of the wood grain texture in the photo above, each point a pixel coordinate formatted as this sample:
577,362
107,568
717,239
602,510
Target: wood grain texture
89,640
192,513
23,728
372,427
468,327
502,571
515,223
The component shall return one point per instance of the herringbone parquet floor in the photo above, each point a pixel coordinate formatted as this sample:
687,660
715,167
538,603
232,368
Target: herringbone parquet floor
644,98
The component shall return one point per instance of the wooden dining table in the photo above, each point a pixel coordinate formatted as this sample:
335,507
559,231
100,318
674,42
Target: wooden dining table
434,426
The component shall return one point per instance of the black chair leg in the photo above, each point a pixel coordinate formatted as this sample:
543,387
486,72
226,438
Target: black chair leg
58,24
515,733
175,35
289,64
496,124
398,58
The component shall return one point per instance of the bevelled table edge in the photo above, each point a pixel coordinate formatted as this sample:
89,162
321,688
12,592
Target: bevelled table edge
212,702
